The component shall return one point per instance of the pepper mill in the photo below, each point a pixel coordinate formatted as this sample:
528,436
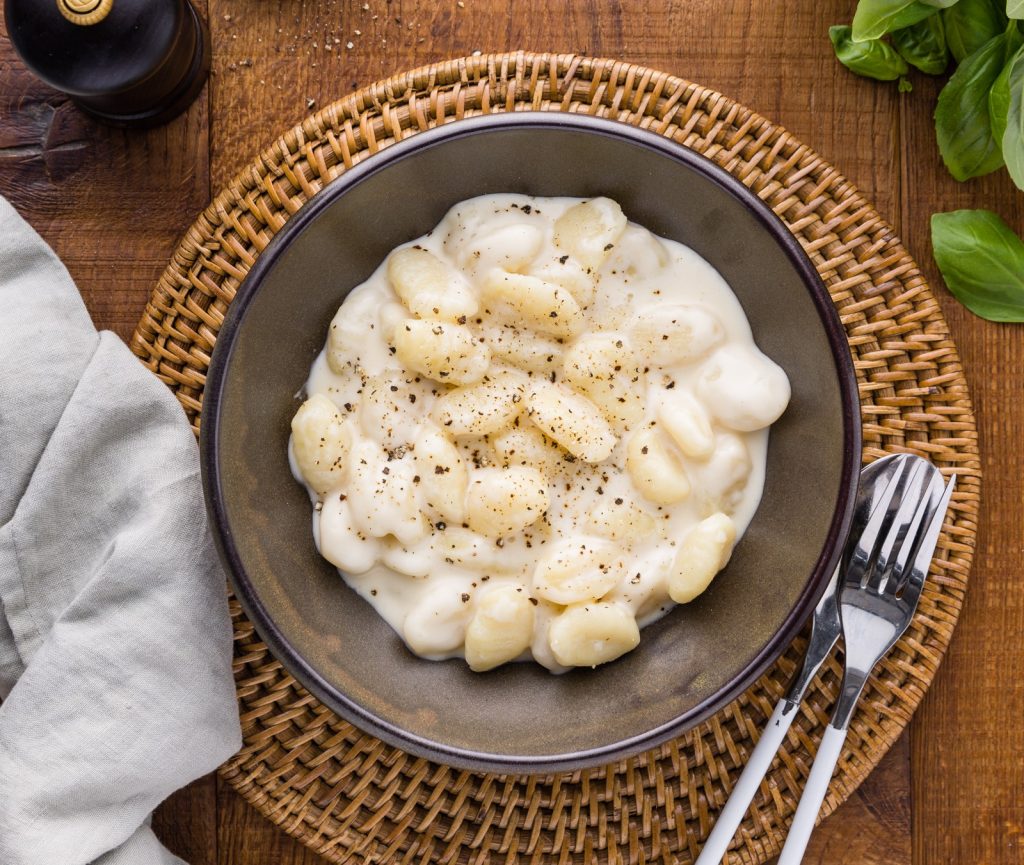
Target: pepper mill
125,62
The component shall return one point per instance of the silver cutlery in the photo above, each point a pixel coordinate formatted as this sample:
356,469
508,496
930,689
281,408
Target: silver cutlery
878,596
888,489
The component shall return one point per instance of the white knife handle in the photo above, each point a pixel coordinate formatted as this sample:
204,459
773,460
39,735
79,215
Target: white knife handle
743,793
814,794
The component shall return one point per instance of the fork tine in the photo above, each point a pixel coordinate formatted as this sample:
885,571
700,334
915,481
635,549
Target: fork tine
880,512
915,509
926,548
912,504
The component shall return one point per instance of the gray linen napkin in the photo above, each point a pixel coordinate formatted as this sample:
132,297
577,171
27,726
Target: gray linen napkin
115,644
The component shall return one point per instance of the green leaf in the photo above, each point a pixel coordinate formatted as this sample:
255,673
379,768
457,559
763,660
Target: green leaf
872,59
1007,115
874,18
970,24
999,101
923,45
962,122
941,4
982,261
1015,8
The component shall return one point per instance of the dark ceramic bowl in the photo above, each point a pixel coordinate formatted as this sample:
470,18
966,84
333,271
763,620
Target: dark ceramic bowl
520,718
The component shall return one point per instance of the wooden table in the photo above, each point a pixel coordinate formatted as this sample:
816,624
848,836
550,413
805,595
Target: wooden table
113,204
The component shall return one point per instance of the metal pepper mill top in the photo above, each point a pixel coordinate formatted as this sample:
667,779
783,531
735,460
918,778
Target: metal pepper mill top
125,62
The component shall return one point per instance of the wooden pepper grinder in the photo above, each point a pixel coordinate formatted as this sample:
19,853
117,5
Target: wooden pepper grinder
125,62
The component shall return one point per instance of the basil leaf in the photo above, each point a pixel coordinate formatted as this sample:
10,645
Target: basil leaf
1007,116
941,4
923,45
874,18
982,261
970,24
1015,8
874,59
962,123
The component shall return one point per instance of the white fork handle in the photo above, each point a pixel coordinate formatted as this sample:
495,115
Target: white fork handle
743,793
814,794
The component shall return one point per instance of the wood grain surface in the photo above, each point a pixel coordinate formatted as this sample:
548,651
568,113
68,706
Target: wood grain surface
113,204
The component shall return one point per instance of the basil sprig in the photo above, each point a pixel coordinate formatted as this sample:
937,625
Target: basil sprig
982,261
979,123
970,24
874,18
924,45
963,125
1007,115
872,59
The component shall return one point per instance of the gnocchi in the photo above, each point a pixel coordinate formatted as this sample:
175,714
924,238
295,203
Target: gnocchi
428,287
703,553
543,306
501,628
486,407
656,471
578,569
321,440
504,501
587,635
447,353
571,420
603,367
532,431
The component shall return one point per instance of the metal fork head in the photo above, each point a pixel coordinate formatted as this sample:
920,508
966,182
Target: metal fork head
886,571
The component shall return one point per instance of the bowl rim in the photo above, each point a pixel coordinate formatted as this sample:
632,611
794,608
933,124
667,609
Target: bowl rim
331,695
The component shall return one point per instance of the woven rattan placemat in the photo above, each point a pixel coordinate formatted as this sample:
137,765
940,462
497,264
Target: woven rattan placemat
355,799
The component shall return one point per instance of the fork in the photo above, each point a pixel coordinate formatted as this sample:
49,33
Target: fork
879,594
874,491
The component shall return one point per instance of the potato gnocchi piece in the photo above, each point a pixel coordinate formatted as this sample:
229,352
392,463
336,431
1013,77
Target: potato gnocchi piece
437,624
382,494
408,560
571,275
587,635
571,420
543,306
391,315
504,501
523,350
460,546
676,333
703,553
482,408
447,353
321,440
578,569
621,519
686,421
604,368
744,390
429,287
385,412
588,231
501,628
525,445
722,478
657,473
443,477
638,254
511,247
347,331
340,542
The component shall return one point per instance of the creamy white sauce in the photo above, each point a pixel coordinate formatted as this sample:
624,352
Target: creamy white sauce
425,576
